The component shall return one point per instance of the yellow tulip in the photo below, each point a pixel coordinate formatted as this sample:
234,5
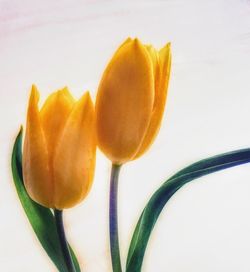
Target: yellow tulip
131,100
59,149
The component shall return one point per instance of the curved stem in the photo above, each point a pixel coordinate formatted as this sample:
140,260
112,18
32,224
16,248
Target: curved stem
113,220
63,241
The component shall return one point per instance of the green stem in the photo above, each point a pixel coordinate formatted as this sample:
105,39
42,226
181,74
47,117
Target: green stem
63,241
113,220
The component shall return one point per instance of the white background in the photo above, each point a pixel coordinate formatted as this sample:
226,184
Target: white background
206,225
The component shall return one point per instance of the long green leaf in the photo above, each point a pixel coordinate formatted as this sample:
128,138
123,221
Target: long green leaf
41,218
158,200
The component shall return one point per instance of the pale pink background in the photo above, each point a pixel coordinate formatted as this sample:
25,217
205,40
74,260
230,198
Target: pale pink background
206,226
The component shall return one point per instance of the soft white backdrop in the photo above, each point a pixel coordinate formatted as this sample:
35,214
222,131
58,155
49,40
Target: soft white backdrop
206,225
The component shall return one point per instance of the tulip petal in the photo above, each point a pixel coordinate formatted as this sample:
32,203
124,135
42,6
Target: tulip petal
54,114
128,40
74,160
153,53
125,101
35,156
160,99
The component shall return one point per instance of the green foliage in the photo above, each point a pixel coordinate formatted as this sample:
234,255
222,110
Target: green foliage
158,200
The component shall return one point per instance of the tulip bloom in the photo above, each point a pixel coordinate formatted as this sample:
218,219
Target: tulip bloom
129,108
59,149
131,99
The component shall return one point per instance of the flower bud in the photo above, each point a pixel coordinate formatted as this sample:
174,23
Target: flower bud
59,149
131,100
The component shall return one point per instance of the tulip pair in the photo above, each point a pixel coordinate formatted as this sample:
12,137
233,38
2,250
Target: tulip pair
60,141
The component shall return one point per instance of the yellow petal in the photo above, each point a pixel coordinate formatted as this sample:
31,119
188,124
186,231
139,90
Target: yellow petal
74,160
124,102
36,172
54,114
128,40
160,99
154,56
153,53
